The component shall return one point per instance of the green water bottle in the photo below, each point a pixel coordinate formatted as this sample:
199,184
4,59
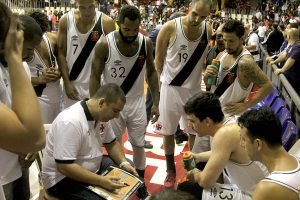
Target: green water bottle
212,80
188,160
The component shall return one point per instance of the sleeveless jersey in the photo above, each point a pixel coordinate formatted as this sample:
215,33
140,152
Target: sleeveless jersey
52,92
178,55
245,176
9,162
224,191
118,66
288,179
235,92
75,43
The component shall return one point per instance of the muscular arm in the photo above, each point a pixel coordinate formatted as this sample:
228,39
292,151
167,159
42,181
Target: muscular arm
280,58
115,151
223,145
248,71
108,24
78,173
21,126
98,64
287,65
151,73
62,49
166,33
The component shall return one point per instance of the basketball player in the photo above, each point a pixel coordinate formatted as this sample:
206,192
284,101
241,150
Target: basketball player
181,48
78,32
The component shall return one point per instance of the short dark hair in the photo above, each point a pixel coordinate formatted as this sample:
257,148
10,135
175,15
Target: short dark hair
5,15
262,123
204,104
234,26
131,12
171,194
111,92
30,27
42,19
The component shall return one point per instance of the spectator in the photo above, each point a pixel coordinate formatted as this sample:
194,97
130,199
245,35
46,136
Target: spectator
274,40
292,60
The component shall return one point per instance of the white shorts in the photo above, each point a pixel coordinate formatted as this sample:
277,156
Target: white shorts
83,91
49,110
172,100
134,118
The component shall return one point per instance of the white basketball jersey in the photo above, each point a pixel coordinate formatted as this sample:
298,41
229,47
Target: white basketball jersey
118,66
178,55
75,44
235,92
53,91
9,162
246,176
288,179
224,191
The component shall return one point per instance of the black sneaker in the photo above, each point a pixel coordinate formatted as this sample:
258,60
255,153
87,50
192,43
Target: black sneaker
180,137
142,193
148,145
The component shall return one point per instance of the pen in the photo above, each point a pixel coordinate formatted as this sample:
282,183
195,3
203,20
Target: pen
119,182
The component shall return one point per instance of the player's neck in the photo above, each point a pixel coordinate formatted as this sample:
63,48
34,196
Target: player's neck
277,159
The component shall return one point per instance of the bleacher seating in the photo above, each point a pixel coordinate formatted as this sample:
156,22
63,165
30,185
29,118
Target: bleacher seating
278,104
289,134
284,115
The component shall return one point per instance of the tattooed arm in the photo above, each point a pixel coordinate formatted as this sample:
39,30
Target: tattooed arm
249,71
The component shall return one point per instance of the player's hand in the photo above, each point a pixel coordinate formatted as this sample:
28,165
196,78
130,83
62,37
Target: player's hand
192,174
71,91
278,71
211,70
154,114
235,108
111,183
13,45
26,160
127,167
197,157
51,75
269,59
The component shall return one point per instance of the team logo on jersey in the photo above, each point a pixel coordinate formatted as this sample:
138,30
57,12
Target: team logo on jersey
101,128
230,78
74,37
95,36
183,47
5,82
117,62
141,60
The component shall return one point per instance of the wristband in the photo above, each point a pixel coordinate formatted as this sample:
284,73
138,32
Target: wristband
123,163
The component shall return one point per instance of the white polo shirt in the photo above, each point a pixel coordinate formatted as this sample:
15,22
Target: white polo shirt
74,137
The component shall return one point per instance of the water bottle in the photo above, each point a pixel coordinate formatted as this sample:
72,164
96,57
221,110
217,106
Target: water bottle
188,160
212,80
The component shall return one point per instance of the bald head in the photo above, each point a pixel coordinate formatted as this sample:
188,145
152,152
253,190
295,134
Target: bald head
293,33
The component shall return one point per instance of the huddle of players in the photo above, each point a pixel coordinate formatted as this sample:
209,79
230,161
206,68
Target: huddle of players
90,53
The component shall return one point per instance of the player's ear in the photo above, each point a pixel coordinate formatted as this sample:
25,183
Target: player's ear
101,102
